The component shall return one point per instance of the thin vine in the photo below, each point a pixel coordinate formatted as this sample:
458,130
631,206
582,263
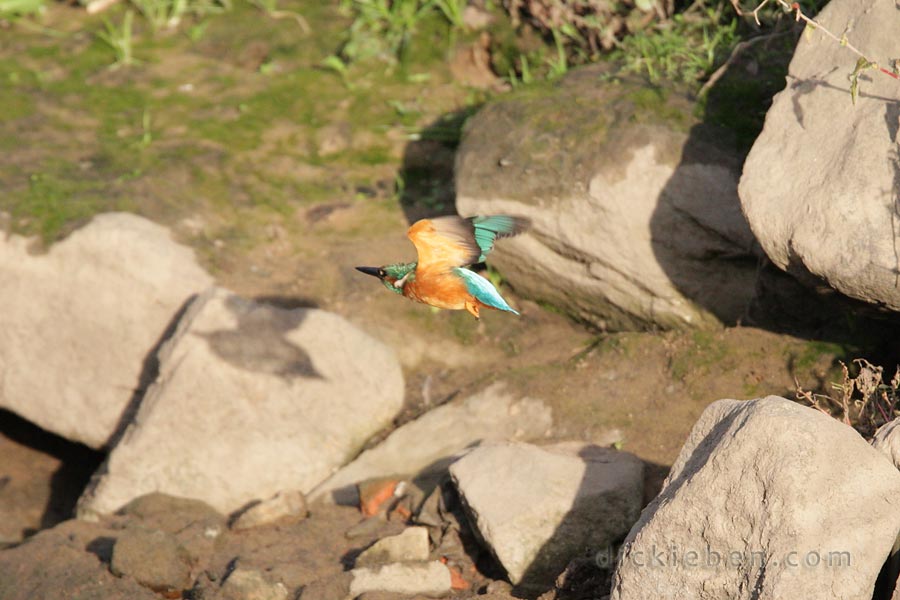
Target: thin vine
862,64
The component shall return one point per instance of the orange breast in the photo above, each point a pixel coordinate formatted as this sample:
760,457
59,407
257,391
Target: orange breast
440,289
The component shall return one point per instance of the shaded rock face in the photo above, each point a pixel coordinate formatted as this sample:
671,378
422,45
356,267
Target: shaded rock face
821,185
770,499
241,412
538,508
636,217
81,322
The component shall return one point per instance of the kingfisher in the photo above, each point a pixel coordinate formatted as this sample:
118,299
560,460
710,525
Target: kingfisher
446,246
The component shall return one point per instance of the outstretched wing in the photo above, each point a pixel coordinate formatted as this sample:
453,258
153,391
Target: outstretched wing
483,290
456,241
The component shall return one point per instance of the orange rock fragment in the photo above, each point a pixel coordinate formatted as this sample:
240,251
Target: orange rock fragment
457,581
374,495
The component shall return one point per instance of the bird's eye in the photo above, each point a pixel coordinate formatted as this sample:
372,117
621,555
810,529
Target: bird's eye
381,273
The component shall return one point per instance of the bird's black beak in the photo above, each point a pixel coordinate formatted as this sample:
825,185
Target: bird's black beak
373,271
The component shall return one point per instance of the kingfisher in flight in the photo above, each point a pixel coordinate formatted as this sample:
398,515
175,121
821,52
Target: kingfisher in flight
445,247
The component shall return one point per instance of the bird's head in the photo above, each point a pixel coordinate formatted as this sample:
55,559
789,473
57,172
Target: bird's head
394,277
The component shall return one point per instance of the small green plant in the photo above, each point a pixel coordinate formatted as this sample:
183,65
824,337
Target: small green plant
270,7
168,14
196,32
382,28
524,76
334,63
687,48
453,12
559,66
146,132
119,40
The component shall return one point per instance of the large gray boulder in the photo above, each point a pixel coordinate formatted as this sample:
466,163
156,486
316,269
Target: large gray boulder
537,508
81,322
820,185
251,399
767,499
637,222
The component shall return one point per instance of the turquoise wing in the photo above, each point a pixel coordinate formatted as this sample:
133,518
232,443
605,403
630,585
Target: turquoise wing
483,290
488,229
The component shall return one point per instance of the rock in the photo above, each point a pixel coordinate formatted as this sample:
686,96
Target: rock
760,498
251,399
636,218
55,564
329,588
429,579
153,558
887,441
287,505
410,545
819,187
377,495
248,584
74,361
538,508
434,440
195,525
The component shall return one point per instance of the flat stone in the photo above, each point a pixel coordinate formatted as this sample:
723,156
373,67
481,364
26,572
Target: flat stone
537,508
433,441
249,584
429,579
287,505
251,399
153,558
410,545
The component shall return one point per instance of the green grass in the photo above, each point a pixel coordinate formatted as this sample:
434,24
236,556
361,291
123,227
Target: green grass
813,351
704,351
56,197
11,9
685,49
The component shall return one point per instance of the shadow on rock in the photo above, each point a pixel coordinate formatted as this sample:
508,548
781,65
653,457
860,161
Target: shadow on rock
259,342
703,242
